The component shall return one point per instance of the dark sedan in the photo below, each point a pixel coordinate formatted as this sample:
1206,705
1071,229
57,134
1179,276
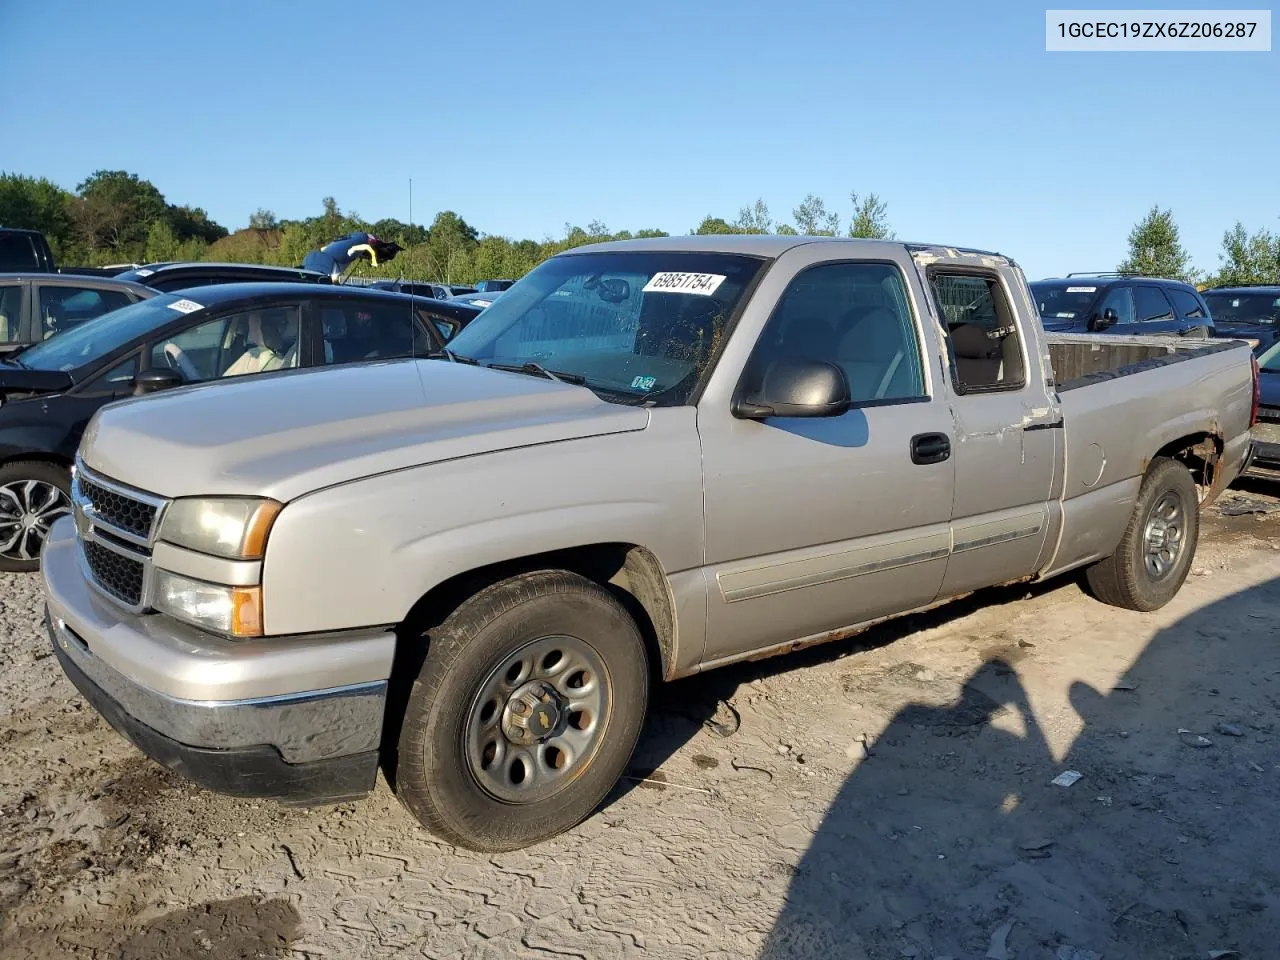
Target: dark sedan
49,391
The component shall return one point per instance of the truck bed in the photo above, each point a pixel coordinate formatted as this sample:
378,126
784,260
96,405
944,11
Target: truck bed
1082,359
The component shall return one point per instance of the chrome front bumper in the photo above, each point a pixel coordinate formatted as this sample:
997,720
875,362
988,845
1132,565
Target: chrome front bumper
296,718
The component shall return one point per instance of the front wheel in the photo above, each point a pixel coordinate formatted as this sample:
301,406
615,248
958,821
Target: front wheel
33,494
525,713
1158,546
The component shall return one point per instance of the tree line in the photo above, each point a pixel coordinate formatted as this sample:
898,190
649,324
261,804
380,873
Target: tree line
114,216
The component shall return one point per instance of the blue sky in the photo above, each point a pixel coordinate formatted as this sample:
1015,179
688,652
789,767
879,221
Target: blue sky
523,116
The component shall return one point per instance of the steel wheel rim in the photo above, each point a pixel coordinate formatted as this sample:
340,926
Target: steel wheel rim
536,723
1164,536
27,511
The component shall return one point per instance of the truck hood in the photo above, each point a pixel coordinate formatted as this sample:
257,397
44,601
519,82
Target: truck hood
284,435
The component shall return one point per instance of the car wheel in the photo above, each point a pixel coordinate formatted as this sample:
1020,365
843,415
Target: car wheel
524,714
33,494
1158,545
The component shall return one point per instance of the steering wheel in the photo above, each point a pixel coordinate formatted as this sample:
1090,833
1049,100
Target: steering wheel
179,361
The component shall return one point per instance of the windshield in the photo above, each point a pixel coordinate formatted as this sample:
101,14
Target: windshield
630,325
1063,301
97,337
1243,307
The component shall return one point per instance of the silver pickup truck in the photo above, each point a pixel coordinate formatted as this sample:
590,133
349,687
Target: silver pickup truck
647,459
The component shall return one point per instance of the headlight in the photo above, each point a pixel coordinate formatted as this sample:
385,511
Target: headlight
231,527
232,611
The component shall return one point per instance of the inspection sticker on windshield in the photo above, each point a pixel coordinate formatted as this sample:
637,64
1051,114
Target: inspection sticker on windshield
1082,289
703,284
643,383
185,306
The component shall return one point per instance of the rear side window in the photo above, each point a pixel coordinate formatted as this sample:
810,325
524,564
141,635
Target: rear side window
855,315
17,253
982,335
1153,305
355,331
10,313
1188,304
64,307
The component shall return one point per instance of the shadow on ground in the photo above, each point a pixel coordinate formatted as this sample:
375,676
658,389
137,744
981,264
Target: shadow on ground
950,840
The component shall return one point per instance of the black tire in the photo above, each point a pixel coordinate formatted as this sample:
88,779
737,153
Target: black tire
14,478
434,778
1124,579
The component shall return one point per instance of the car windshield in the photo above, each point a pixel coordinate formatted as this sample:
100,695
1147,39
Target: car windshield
630,325
1243,307
1063,300
99,336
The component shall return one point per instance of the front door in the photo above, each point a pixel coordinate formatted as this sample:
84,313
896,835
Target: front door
1008,431
813,524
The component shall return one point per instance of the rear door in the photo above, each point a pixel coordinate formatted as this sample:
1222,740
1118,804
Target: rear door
816,524
353,330
1193,313
1007,425
1155,312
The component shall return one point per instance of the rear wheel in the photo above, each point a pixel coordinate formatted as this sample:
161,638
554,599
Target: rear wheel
33,494
1158,546
525,713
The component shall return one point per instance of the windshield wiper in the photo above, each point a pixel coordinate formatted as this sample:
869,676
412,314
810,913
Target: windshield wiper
539,370
453,357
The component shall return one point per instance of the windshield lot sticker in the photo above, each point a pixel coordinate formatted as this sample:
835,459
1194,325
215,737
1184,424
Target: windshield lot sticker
185,306
703,284
1082,289
643,383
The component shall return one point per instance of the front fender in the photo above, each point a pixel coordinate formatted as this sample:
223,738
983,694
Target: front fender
363,553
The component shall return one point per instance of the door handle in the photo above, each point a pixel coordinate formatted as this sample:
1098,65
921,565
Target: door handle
930,448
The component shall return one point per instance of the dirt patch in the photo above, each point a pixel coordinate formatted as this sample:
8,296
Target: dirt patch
244,928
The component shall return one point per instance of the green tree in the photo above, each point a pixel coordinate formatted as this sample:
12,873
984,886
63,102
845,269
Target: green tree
754,219
36,204
1155,249
711,226
870,218
263,219
162,243
813,219
1248,257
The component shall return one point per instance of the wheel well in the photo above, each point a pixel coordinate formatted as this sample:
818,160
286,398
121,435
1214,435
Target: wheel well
1201,453
631,573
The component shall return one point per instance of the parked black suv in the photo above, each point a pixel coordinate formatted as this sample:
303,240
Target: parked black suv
182,276
25,251
1250,312
1121,303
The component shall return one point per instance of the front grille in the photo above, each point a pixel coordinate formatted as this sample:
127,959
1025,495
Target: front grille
117,509
119,575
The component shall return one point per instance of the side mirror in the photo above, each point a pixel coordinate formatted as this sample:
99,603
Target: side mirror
794,388
614,290
157,378
1108,319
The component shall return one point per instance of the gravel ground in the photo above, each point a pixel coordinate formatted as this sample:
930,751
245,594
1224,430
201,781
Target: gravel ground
885,798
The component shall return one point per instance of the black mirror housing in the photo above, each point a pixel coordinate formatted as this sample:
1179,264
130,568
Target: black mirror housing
158,378
794,388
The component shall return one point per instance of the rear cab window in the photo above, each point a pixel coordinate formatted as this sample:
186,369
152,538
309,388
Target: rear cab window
983,341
